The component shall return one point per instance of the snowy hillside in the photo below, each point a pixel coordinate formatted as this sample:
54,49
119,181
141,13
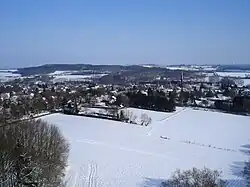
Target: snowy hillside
7,75
110,153
233,74
154,115
62,78
246,82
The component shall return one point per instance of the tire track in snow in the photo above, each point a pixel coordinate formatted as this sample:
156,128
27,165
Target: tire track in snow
82,178
75,180
89,176
92,182
95,176
174,114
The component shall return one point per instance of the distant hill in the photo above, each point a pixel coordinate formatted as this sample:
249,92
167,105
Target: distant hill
50,68
234,67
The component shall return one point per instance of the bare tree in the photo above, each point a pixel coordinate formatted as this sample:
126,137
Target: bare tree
127,116
123,115
131,116
113,112
32,153
145,119
195,178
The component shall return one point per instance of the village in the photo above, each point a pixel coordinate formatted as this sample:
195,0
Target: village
36,95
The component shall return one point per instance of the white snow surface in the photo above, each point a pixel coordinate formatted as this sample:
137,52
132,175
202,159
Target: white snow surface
233,74
192,68
154,115
7,76
61,78
246,82
112,154
60,72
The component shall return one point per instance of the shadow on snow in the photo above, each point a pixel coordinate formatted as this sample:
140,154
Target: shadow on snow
150,182
237,168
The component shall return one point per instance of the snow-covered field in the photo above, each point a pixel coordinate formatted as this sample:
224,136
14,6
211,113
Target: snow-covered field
112,154
246,82
154,115
192,68
233,74
61,78
60,72
7,76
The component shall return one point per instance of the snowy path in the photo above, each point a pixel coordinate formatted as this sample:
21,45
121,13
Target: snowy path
154,125
173,115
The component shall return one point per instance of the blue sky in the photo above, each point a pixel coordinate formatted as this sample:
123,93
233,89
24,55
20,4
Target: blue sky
124,32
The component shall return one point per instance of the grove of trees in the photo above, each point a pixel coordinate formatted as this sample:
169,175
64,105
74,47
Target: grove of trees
32,154
157,101
195,178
